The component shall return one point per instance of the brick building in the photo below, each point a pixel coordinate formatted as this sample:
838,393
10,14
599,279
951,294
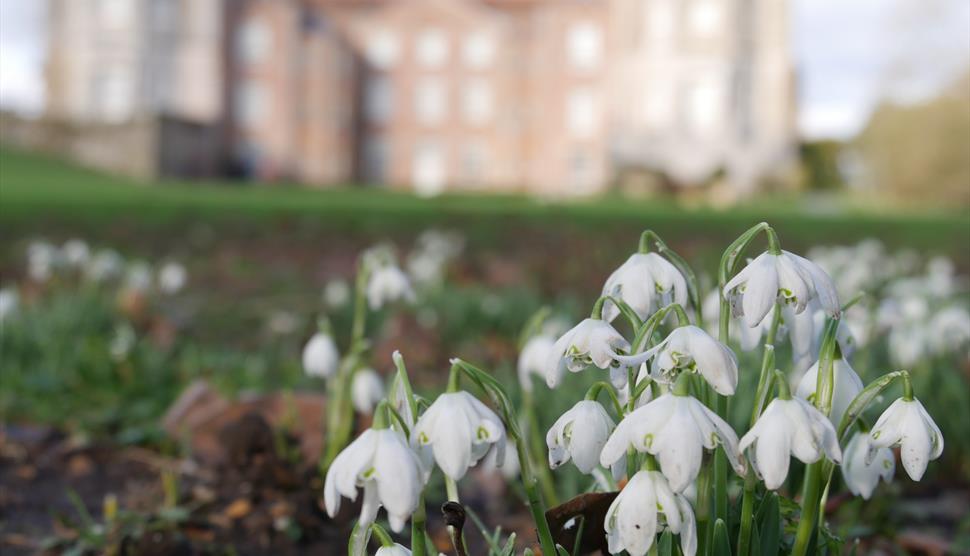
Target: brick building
555,97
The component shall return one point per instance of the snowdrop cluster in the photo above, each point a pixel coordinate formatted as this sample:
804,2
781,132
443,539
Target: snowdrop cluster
653,425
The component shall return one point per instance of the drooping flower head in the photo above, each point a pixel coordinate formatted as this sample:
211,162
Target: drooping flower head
172,278
591,342
460,430
676,429
861,474
846,386
789,427
395,550
645,505
579,434
906,424
690,348
320,356
785,277
646,282
381,463
386,282
366,390
533,360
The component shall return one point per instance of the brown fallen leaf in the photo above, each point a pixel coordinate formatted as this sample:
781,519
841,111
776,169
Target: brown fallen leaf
591,508
238,509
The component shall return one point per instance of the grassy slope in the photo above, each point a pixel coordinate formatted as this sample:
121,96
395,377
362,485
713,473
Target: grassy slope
36,188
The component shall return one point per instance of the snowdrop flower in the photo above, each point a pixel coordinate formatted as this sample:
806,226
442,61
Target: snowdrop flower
509,468
41,258
906,424
579,434
785,277
9,301
388,283
138,277
676,429
76,252
789,427
172,278
591,342
533,358
336,293
645,505
690,348
395,550
862,475
646,282
320,356
381,462
122,342
847,386
104,265
366,390
623,394
748,337
460,430
950,329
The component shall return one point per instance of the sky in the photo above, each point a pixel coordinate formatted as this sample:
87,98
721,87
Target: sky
849,56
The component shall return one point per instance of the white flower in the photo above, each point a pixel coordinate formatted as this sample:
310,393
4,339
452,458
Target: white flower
676,429
862,475
646,282
787,278
366,390
460,430
749,338
320,356
907,424
579,434
950,329
805,332
381,462
533,358
846,386
634,517
76,252
388,283
138,276
396,550
791,427
591,342
171,278
122,342
41,259
691,348
9,301
104,265
509,468
336,293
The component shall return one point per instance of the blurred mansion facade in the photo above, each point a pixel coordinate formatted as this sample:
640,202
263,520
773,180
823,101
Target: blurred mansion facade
554,97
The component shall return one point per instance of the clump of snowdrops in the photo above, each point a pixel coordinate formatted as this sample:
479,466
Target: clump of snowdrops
652,431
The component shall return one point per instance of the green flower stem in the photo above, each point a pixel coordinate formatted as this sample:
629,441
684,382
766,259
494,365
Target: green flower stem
650,463
537,449
682,386
774,247
454,377
419,529
381,535
781,382
535,500
810,509
597,312
907,388
597,387
451,488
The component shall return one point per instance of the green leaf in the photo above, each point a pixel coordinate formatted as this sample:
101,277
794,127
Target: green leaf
722,544
769,525
666,545
359,537
866,397
755,537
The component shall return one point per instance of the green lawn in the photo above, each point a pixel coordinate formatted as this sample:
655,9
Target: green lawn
36,188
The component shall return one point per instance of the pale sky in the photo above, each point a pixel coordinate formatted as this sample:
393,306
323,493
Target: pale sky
849,54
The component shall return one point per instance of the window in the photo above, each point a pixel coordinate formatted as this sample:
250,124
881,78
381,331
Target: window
704,17
473,161
582,113
584,43
253,42
658,105
430,101
703,107
660,19
250,104
478,51
116,14
376,158
432,48
113,96
477,101
382,49
378,99
428,169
